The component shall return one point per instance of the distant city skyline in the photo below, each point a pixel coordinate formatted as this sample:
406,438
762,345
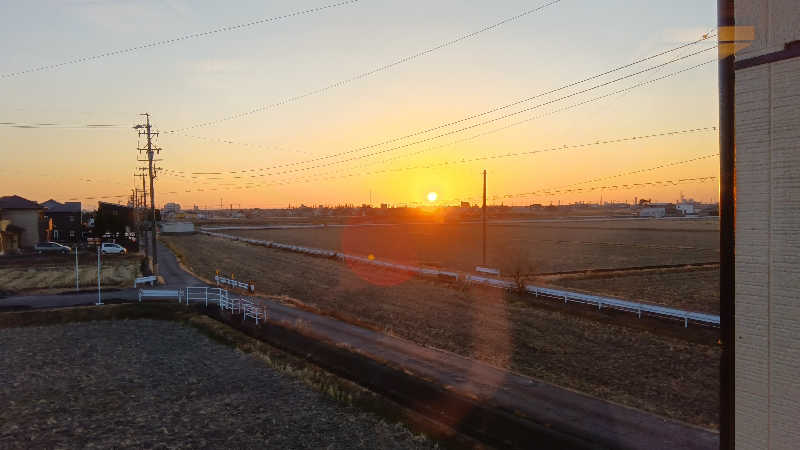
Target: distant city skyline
211,78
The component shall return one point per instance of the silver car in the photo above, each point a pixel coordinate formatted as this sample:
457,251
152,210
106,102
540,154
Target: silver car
51,247
109,248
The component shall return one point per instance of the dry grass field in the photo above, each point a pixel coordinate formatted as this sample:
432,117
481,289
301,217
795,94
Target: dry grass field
542,247
693,289
160,384
45,273
670,376
538,250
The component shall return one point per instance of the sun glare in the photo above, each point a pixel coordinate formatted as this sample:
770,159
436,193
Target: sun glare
432,196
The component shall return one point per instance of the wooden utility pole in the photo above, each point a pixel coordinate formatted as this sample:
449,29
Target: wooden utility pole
151,151
483,260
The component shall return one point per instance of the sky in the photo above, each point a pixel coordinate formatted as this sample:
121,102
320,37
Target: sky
318,141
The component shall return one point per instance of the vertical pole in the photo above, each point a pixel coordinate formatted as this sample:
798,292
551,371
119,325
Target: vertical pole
77,280
99,299
483,260
727,215
142,214
150,152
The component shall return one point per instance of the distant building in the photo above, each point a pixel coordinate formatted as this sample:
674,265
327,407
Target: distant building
465,205
171,208
63,221
20,223
653,212
177,227
686,208
114,220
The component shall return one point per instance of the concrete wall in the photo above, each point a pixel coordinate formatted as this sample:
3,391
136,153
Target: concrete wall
767,352
28,220
177,227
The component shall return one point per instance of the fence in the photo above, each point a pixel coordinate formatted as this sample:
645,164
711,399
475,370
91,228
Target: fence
236,305
556,294
205,294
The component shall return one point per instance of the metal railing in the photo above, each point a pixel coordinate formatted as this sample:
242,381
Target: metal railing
160,293
204,294
567,296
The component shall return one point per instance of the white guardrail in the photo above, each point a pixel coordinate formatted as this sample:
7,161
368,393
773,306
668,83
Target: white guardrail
247,307
555,294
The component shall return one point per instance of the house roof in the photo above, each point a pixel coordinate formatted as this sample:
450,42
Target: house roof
17,202
50,204
66,207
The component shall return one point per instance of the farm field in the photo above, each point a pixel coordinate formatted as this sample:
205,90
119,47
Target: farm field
670,376
543,251
161,384
532,248
693,289
25,274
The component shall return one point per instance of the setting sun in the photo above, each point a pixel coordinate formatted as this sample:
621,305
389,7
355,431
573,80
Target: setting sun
432,196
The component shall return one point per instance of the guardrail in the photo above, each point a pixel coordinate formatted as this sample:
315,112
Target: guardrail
160,293
205,294
245,306
144,280
538,291
234,283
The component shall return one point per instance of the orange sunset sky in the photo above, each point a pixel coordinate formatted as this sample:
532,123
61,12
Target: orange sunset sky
50,150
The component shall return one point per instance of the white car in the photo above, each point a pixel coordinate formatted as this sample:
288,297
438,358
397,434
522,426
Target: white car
109,248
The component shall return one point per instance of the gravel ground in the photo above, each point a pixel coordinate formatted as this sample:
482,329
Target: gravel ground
147,383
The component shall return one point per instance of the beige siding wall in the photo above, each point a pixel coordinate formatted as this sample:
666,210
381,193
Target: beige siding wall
28,220
767,376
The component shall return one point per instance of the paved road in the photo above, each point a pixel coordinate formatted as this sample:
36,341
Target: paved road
173,275
584,415
170,270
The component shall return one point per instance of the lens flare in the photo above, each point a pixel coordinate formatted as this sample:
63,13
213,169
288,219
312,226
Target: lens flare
432,196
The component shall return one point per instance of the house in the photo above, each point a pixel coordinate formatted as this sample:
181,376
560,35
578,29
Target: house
653,212
63,221
686,208
171,208
21,223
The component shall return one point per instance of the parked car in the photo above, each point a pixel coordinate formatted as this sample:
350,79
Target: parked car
51,247
109,248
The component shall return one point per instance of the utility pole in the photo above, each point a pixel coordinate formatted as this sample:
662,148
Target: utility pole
77,278
141,213
99,298
152,174
484,219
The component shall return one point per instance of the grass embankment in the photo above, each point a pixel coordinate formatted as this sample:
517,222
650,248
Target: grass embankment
669,376
22,276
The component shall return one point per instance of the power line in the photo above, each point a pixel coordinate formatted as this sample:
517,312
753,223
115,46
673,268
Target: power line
497,118
598,142
492,110
673,182
50,125
622,174
510,155
176,39
368,73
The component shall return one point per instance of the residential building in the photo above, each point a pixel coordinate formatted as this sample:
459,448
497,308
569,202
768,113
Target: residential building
172,208
22,220
767,249
63,221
